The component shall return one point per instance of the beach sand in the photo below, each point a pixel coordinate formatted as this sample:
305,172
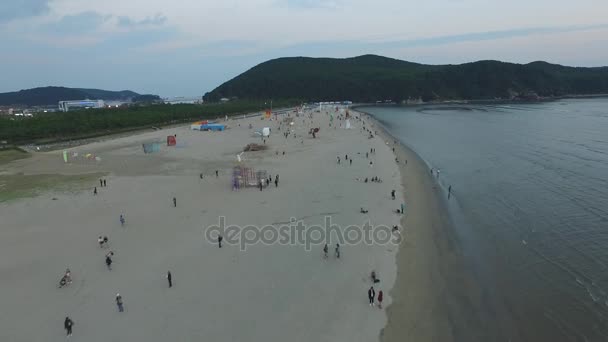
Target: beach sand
267,292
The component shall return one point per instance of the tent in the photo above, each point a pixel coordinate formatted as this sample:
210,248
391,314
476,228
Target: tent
171,141
196,126
266,131
213,127
151,147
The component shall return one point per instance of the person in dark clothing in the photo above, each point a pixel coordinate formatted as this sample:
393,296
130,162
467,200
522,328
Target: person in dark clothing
109,260
216,173
201,176
174,202
449,191
351,161
393,194
219,241
95,191
169,279
67,324
338,250
119,303
371,294
100,182
276,181
104,183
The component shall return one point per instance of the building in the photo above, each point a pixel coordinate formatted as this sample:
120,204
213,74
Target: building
65,106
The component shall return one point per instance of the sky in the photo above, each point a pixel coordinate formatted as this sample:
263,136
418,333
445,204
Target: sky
189,47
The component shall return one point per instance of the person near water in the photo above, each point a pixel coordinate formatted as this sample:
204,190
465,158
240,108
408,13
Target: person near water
371,294
95,191
337,252
174,202
219,241
67,325
119,303
393,194
169,278
380,298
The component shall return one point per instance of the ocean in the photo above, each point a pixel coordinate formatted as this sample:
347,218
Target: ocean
529,206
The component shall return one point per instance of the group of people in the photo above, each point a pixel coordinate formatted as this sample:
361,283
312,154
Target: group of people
336,251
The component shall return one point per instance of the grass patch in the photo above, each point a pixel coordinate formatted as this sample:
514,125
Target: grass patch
12,154
13,187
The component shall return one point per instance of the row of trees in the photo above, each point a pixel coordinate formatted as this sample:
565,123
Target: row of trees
53,126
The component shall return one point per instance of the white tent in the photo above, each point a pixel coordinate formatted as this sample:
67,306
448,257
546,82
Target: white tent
266,131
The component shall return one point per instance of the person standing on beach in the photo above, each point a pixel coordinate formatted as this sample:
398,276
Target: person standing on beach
393,194
216,173
371,294
276,181
219,241
119,303
403,208
338,160
325,251
67,325
174,202
122,220
438,173
201,176
169,279
380,298
337,251
100,182
95,191
109,261
104,183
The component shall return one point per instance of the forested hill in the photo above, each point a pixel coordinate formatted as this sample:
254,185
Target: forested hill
374,78
52,95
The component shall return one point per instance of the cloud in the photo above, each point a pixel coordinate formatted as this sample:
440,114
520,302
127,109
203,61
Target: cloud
77,24
312,4
156,20
15,9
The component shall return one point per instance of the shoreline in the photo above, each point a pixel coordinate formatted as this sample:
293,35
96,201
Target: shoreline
435,297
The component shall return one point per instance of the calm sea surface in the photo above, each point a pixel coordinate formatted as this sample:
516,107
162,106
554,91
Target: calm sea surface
530,207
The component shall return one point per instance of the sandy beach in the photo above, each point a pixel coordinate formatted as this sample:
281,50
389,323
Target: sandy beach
268,291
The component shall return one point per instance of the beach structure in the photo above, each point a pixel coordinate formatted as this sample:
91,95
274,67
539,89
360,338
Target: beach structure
171,140
266,131
151,147
196,126
213,127
243,176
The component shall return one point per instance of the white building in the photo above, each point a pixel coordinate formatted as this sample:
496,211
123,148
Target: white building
65,106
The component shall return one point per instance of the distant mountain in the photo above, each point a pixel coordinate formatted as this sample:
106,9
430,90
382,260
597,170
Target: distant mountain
52,95
372,78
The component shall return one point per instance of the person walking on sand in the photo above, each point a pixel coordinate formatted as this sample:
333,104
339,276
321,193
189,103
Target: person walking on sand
351,161
380,298
371,294
219,241
216,173
438,173
122,220
119,303
276,181
325,251
169,279
67,325
449,191
174,202
105,183
393,194
109,262
95,191
100,182
402,208
337,251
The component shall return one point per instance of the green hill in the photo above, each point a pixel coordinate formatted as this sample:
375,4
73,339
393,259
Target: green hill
374,78
52,95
